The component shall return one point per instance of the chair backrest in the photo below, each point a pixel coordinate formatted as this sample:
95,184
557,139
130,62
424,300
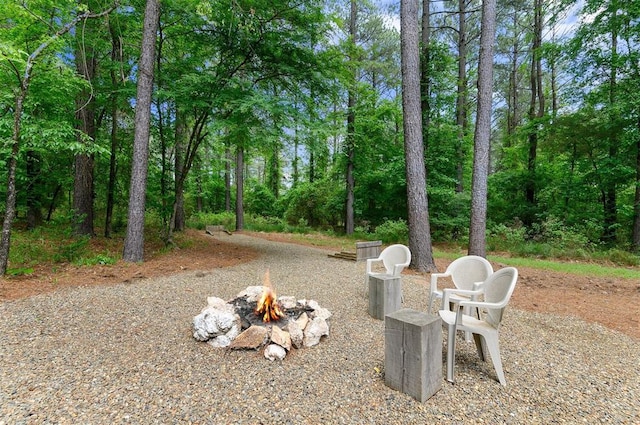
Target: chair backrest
498,289
467,270
395,258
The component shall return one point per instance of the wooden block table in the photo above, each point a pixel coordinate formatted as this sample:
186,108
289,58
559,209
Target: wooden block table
413,353
385,295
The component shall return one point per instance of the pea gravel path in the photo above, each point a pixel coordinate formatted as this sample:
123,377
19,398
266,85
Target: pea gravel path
125,354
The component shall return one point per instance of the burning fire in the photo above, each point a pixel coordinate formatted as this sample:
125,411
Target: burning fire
267,306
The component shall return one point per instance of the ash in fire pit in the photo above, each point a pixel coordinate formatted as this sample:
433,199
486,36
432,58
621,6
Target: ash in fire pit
241,324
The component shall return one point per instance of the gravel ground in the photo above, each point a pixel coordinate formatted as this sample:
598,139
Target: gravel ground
125,354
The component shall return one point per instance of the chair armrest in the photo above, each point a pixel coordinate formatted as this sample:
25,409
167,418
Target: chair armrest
447,292
370,262
397,269
481,304
434,280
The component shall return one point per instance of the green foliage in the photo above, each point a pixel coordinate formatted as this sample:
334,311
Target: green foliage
71,250
315,203
20,271
393,231
99,259
259,200
201,220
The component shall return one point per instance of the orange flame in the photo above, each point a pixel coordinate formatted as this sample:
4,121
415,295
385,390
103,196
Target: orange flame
267,306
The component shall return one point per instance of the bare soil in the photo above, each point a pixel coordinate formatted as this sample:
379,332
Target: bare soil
611,302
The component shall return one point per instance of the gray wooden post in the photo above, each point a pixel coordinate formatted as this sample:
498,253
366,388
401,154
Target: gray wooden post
385,295
413,353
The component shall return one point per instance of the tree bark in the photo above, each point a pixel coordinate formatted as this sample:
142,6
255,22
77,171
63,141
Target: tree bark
178,209
425,77
536,111
461,95
239,188
111,184
227,178
134,240
417,203
482,135
86,125
636,200
34,208
351,119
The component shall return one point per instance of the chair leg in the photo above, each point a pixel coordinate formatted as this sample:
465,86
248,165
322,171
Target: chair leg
451,351
366,286
467,334
430,302
494,351
481,346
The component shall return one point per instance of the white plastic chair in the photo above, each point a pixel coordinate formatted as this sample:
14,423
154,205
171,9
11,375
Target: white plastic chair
496,291
464,272
394,258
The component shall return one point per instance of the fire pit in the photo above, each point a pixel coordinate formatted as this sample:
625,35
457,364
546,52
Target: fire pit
256,318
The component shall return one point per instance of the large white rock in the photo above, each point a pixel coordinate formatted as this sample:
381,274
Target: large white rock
251,293
251,339
281,338
316,329
274,352
320,312
214,322
287,302
296,334
217,303
302,320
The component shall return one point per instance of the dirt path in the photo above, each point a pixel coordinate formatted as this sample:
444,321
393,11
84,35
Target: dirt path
614,303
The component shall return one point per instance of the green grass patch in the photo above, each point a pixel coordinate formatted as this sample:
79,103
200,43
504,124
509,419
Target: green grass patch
584,269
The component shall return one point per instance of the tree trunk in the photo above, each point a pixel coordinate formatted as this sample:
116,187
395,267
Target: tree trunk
239,188
86,125
296,158
636,200
115,56
417,203
227,178
425,77
610,203
351,119
461,95
134,240
34,210
10,208
536,111
178,208
482,136
512,100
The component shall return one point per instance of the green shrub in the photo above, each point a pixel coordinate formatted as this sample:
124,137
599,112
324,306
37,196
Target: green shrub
71,250
102,259
393,231
258,223
201,220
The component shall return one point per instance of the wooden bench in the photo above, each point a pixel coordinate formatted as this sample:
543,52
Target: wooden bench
366,250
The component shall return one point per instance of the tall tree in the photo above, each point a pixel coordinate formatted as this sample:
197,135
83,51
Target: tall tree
462,95
536,110
351,118
24,78
134,241
417,203
83,187
482,135
425,82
